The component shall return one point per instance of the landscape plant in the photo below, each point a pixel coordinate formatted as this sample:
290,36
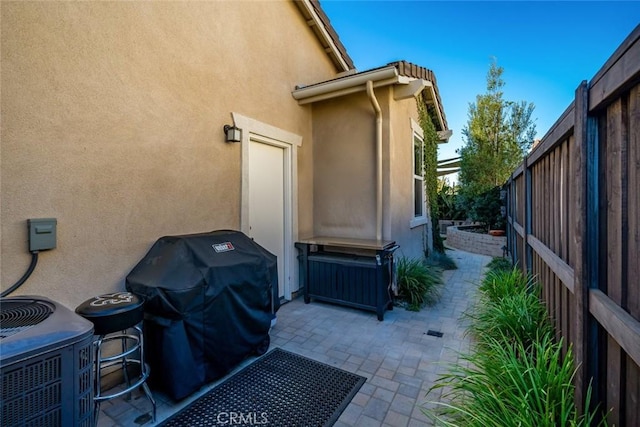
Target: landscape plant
449,203
516,373
418,283
485,209
511,384
430,172
499,283
499,263
441,260
515,318
496,138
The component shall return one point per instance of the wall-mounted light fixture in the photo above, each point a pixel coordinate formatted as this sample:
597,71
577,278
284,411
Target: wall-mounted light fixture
232,133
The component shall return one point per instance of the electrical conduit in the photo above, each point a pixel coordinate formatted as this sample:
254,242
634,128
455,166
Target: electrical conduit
376,107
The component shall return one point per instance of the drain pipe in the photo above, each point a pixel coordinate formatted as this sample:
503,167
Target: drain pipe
376,107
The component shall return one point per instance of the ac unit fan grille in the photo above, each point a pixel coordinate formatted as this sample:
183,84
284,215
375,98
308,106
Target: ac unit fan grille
18,316
47,375
30,390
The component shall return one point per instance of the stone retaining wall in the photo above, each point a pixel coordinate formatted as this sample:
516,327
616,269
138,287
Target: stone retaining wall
475,242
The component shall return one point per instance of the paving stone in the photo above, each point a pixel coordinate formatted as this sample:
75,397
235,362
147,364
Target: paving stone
366,421
367,388
385,373
106,421
370,366
376,409
351,367
383,382
384,394
351,414
403,404
409,391
361,399
408,380
355,359
395,419
406,370
396,356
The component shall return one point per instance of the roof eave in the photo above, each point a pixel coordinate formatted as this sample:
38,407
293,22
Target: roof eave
345,85
326,34
406,87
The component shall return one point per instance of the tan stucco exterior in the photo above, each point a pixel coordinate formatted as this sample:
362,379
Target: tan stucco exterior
345,170
344,167
112,116
112,123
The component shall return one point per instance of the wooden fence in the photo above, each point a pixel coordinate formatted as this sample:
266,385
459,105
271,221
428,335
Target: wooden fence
573,222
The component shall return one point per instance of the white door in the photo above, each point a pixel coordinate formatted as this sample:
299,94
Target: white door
267,201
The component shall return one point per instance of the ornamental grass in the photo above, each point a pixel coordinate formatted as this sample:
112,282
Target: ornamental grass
516,373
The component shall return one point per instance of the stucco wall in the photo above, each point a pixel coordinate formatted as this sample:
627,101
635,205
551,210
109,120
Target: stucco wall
345,169
413,239
477,243
112,116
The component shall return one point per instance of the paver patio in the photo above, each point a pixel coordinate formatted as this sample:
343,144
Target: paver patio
398,358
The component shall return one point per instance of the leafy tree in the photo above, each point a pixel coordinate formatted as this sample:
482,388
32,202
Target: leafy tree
496,138
448,201
486,209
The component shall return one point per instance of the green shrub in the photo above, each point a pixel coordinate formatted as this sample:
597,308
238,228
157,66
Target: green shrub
485,208
516,374
500,263
498,284
441,260
519,317
449,202
418,283
497,386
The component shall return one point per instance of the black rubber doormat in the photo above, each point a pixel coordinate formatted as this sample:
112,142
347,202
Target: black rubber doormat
279,389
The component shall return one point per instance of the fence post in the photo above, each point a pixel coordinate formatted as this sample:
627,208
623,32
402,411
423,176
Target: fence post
508,203
528,252
580,176
514,206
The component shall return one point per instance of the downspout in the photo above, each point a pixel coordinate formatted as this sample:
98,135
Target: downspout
376,107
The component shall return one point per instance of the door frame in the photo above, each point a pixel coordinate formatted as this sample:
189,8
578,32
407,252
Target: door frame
256,131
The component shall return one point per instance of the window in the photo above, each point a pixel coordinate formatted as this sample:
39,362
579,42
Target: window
419,202
418,177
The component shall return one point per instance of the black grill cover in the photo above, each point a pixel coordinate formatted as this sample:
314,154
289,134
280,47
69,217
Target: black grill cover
210,299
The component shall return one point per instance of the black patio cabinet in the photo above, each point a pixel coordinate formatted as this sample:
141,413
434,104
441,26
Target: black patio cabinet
352,272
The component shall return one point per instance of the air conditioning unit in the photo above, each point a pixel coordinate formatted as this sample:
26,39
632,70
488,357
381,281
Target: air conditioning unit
46,364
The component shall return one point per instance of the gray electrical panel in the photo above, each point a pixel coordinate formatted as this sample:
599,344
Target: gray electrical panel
42,234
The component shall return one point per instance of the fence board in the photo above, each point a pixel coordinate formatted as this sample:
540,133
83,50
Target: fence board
545,200
633,204
614,354
619,72
633,249
557,265
633,390
560,129
552,209
565,200
566,333
562,206
613,199
617,322
579,230
579,208
571,206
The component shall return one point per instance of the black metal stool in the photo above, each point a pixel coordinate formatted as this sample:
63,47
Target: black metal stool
113,315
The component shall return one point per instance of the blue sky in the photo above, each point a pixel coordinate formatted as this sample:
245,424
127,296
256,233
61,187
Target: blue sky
546,47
